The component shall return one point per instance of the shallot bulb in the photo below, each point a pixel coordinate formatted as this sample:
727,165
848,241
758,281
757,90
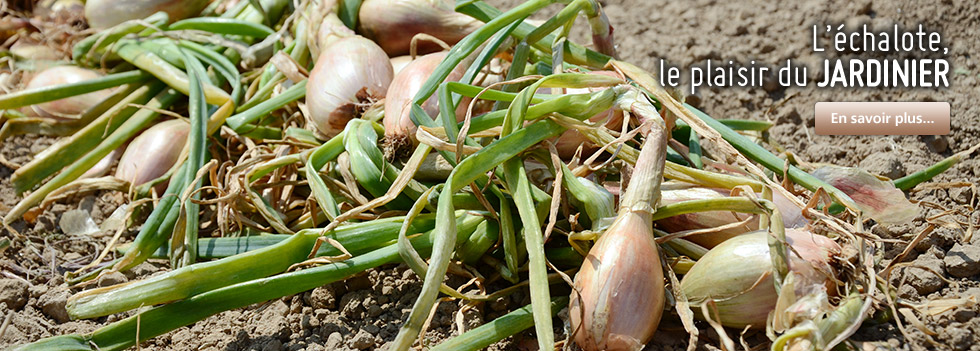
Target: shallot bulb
103,14
570,140
34,51
393,24
738,276
151,154
620,288
350,74
399,129
673,193
70,106
619,291
103,166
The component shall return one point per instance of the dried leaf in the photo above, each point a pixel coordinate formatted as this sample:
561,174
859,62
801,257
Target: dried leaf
877,198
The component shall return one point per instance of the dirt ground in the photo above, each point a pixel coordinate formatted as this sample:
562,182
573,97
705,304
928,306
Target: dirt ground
364,313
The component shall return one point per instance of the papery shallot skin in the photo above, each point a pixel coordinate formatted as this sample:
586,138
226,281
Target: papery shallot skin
152,153
737,275
620,289
103,14
349,75
70,106
399,128
393,24
675,193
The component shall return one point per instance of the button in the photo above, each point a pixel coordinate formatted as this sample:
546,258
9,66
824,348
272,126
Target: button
882,118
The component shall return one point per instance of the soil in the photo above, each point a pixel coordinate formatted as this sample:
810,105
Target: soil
366,311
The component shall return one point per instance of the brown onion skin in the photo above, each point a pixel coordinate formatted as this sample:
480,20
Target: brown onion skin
152,153
393,24
737,274
350,74
711,219
103,14
70,106
568,142
620,289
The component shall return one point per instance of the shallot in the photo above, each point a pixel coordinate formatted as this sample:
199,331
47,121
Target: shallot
151,154
350,74
71,106
393,24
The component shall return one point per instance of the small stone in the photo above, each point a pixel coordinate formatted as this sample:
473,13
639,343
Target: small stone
351,305
14,292
333,341
963,260
964,315
926,281
374,311
362,340
296,305
961,195
112,279
358,282
936,143
941,237
936,251
887,164
53,304
273,345
907,292
142,270
371,329
38,290
693,100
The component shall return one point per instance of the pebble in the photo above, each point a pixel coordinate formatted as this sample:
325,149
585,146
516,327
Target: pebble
374,311
887,164
925,281
963,260
961,195
273,345
112,279
936,143
38,290
14,293
362,340
334,340
53,304
964,315
940,238
693,100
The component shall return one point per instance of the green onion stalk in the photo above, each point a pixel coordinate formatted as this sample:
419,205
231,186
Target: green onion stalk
146,324
179,284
